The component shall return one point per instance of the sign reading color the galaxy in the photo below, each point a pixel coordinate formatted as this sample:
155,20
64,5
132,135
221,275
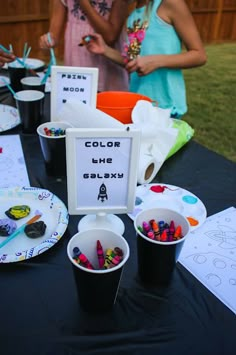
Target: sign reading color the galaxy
72,82
101,169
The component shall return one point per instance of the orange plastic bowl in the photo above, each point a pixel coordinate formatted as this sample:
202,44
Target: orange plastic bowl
119,104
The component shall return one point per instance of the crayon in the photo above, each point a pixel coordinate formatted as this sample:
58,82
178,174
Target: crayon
161,226
111,259
155,229
146,227
76,253
118,251
178,233
80,258
85,262
140,229
151,235
101,259
171,231
164,236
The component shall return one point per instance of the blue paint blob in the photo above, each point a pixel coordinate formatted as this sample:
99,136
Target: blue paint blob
190,199
138,201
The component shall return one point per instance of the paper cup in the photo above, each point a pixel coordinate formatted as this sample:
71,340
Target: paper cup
16,73
97,289
32,83
30,107
157,259
53,148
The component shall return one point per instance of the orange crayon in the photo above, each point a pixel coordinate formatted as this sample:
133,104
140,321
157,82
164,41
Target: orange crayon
155,229
178,233
164,236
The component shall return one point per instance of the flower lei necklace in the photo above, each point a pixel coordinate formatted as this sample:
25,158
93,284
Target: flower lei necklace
136,35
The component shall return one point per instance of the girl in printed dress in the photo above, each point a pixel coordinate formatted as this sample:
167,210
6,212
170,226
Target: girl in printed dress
106,17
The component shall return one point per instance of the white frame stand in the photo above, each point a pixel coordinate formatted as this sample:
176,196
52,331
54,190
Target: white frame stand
85,159
101,220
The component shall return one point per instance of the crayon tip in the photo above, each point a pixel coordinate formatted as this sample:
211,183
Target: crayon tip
178,233
164,236
118,251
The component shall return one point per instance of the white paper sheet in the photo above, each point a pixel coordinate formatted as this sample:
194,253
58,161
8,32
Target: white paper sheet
209,253
13,170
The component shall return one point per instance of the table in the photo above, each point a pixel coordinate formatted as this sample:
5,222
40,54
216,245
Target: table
40,313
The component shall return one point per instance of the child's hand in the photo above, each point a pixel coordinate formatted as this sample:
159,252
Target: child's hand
96,44
44,41
6,57
142,65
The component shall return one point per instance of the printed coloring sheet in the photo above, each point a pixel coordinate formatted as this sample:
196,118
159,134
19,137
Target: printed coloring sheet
13,170
209,253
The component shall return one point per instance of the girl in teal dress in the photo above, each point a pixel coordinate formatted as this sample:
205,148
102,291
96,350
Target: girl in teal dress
153,54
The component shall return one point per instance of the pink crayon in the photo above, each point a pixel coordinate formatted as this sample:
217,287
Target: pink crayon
151,235
85,262
100,254
146,227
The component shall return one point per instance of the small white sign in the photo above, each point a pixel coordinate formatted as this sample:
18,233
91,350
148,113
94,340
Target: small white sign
102,169
72,82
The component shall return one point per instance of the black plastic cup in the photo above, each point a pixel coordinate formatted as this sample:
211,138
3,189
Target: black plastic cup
53,148
30,107
157,259
16,73
32,83
97,289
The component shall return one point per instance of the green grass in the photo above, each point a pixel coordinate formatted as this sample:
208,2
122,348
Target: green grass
211,96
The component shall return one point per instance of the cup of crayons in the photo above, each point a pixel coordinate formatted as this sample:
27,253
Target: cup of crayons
161,233
52,137
98,257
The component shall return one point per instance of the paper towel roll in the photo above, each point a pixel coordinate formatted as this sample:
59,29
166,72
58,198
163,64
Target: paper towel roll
147,169
80,115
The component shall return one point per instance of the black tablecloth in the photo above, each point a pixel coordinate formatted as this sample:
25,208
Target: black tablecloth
39,309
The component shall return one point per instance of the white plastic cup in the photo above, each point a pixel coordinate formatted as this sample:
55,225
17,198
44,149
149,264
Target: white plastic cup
97,289
30,107
32,83
157,259
53,148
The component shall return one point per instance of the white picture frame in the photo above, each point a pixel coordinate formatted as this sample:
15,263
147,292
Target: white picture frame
72,82
97,157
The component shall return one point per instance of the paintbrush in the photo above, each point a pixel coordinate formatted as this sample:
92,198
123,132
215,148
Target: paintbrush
33,72
21,228
85,40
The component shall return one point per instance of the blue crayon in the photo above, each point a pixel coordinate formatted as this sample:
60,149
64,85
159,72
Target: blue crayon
161,226
76,254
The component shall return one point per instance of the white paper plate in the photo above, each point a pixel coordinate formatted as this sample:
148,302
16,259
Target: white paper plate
2,83
9,117
54,215
170,196
31,62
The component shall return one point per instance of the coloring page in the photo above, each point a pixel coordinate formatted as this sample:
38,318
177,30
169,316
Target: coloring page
209,253
13,171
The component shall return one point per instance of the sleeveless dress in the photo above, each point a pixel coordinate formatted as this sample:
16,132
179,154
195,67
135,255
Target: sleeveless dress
166,86
111,76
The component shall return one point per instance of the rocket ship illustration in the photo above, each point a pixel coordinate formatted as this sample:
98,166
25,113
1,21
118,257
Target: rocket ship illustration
102,193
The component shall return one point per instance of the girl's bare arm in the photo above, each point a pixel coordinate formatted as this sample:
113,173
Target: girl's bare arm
109,28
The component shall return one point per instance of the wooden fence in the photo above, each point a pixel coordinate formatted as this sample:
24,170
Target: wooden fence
25,20
215,19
